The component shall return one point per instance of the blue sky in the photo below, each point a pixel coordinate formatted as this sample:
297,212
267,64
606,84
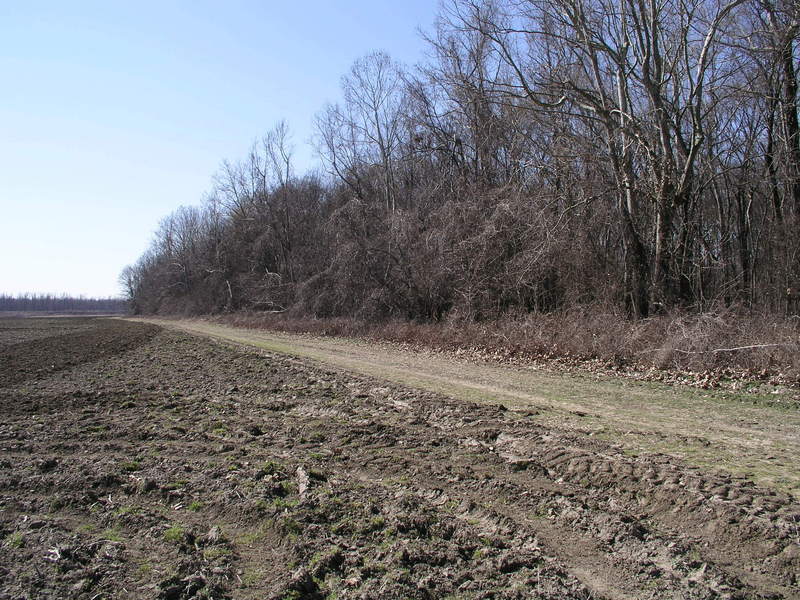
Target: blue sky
112,114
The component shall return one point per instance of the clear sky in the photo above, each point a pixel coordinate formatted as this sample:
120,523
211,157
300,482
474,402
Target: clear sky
113,114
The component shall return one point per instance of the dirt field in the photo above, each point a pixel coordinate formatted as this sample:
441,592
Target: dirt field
141,462
745,428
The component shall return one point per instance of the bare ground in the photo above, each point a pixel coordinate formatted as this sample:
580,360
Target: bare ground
751,429
141,462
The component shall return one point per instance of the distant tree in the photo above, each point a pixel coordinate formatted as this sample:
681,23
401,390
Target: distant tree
60,303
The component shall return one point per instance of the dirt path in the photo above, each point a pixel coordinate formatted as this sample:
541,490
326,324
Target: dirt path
735,433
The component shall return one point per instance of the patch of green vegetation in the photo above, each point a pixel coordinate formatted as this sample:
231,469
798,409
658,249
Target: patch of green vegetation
56,504
144,570
317,475
374,524
390,532
291,526
126,510
86,528
388,541
211,554
251,537
175,534
318,557
131,466
343,527
252,577
113,534
694,555
176,485
270,467
402,480
288,488
372,568
15,540
195,506
317,437
325,584
281,503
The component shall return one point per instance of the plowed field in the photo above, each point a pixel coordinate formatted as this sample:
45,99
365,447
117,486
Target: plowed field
141,462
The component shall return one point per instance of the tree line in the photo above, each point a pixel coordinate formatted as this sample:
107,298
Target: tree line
60,303
640,155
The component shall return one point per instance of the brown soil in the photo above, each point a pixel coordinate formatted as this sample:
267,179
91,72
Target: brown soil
752,432
137,462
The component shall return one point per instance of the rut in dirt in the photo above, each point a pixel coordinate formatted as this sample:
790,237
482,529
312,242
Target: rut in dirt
179,468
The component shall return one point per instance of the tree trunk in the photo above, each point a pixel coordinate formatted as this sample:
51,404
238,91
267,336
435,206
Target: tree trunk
661,285
636,270
790,114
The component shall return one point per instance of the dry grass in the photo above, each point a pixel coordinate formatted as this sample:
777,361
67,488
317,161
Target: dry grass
726,343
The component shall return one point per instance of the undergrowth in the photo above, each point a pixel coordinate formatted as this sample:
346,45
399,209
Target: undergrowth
728,343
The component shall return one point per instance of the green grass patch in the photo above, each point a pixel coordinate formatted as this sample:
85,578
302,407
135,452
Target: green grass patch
175,534
112,534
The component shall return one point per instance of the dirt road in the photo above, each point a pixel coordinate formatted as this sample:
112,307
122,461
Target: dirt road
165,466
